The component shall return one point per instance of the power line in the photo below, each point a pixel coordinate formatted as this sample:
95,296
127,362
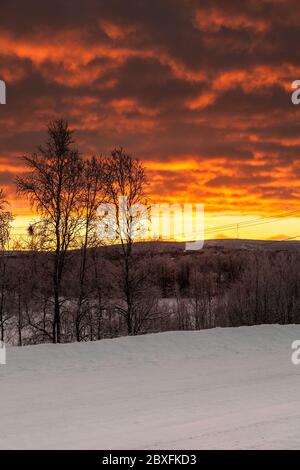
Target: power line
254,222
245,224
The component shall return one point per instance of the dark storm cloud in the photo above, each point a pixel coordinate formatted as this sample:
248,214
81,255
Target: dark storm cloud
173,81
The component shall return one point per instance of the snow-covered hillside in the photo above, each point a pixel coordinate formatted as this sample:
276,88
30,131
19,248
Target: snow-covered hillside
221,388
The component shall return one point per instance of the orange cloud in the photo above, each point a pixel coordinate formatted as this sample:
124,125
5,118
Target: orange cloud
213,19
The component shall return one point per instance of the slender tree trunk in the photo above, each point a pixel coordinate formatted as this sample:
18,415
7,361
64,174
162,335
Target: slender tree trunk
99,294
128,295
81,285
56,320
20,318
56,289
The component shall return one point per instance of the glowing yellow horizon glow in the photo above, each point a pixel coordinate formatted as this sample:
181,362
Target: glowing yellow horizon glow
216,225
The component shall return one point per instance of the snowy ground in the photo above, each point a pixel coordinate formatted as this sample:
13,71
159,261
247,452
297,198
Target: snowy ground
222,388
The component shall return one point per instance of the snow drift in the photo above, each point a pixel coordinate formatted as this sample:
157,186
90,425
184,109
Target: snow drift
222,388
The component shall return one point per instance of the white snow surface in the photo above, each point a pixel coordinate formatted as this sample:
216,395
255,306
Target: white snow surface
231,388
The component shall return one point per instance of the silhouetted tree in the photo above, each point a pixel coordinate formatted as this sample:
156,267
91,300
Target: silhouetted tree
53,185
6,219
92,194
125,189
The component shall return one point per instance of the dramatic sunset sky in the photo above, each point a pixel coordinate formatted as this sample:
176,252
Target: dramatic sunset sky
199,90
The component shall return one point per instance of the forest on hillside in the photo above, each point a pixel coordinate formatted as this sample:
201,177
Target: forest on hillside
171,290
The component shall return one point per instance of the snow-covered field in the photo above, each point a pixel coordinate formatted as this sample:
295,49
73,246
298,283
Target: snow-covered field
222,388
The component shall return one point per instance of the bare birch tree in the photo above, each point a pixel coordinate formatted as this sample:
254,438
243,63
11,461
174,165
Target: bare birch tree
125,181
93,193
6,219
53,185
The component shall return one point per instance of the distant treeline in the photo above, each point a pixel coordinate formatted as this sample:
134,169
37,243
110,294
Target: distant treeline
173,291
